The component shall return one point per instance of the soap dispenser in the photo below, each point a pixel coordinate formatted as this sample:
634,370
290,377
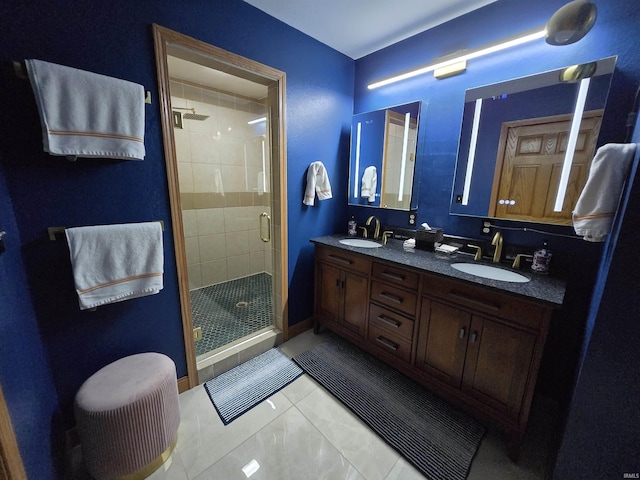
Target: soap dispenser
352,231
542,259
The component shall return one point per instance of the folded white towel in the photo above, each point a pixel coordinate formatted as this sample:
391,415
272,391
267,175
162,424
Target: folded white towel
369,183
85,114
409,243
597,204
317,183
112,263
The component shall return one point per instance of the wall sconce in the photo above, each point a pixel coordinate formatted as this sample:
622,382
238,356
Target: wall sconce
567,25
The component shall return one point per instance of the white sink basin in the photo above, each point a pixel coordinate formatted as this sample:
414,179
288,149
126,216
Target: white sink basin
492,273
359,242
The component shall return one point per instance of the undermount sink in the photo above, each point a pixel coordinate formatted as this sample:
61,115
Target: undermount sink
492,273
360,242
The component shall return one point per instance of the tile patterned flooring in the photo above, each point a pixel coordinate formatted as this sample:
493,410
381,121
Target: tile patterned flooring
231,310
302,432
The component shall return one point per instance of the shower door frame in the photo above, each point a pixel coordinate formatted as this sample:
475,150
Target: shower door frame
276,81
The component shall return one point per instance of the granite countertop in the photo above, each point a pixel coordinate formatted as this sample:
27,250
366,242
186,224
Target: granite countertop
541,288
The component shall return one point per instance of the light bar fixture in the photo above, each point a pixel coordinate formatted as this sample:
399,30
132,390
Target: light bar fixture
443,64
472,152
257,120
571,143
405,144
357,172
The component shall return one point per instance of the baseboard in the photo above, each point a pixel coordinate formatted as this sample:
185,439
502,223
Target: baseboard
183,384
299,328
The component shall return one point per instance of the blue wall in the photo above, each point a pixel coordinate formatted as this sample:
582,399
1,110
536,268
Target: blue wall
25,375
114,38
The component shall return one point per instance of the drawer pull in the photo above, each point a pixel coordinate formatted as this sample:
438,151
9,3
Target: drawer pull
393,298
475,301
393,276
341,260
389,321
462,333
474,337
387,343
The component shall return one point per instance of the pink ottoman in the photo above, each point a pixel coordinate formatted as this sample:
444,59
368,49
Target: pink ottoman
128,415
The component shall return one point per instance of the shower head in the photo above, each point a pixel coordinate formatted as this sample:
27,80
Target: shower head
193,115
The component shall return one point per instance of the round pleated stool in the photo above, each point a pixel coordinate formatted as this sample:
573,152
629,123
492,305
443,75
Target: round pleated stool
127,414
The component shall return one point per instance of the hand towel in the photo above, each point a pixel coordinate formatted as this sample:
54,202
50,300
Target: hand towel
317,183
597,204
85,114
112,263
369,183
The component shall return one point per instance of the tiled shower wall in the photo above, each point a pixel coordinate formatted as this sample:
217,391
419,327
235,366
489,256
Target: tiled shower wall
222,189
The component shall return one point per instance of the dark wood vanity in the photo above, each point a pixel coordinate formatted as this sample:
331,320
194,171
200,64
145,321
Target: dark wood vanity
475,342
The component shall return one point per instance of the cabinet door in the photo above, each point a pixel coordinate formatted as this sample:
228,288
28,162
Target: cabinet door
498,364
442,341
355,301
328,285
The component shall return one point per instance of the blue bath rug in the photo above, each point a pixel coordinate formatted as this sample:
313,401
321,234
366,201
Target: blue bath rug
243,387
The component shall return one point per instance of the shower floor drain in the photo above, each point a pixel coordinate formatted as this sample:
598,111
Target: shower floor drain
242,304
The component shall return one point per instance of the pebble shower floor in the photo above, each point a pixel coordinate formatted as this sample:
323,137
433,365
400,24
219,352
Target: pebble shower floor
231,310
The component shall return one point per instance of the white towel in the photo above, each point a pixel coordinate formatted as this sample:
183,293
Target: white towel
85,114
596,207
112,263
218,187
317,183
369,183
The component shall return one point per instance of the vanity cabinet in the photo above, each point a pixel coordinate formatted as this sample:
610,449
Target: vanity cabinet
478,347
342,290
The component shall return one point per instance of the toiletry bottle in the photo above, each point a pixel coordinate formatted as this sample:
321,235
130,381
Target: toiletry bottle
351,227
541,259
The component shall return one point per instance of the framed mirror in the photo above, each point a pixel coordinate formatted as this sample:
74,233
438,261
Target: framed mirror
382,165
526,144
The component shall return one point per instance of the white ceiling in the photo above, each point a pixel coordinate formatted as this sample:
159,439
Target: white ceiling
360,27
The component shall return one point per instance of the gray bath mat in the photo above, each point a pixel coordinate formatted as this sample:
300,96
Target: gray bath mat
439,440
243,387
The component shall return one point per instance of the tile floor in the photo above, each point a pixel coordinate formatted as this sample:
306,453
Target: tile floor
302,432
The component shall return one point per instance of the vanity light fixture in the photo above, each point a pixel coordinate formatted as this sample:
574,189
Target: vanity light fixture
257,120
444,64
567,25
405,143
571,143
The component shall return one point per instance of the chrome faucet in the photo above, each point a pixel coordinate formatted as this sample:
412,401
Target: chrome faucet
376,231
497,242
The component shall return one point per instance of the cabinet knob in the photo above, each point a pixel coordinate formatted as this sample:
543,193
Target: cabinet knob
474,337
462,333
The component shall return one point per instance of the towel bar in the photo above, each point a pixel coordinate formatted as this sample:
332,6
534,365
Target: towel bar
20,72
54,231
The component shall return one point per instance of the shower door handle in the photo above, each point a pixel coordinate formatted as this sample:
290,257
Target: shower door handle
268,237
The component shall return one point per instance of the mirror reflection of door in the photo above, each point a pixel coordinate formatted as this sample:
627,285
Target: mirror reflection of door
529,165
223,128
401,138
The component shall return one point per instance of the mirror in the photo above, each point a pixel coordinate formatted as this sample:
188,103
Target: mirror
382,165
526,144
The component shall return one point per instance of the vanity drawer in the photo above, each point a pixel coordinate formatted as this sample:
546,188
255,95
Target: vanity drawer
496,304
397,346
343,259
396,324
394,297
395,276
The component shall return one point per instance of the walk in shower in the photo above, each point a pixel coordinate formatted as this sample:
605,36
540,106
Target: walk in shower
220,126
